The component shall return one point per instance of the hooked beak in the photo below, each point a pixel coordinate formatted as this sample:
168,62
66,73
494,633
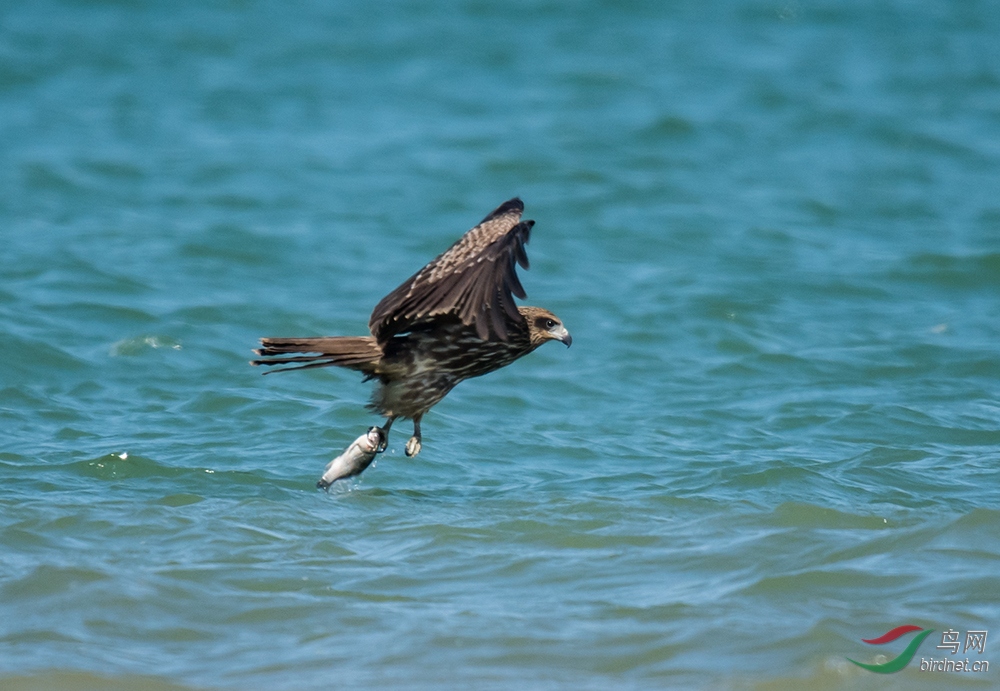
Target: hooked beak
563,335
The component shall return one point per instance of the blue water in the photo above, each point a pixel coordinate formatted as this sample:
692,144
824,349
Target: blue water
773,229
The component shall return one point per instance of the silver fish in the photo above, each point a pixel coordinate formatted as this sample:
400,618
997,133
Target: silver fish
358,456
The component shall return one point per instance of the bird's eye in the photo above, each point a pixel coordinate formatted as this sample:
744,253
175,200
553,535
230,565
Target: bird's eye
549,323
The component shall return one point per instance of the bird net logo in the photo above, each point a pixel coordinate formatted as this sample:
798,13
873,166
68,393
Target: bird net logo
974,644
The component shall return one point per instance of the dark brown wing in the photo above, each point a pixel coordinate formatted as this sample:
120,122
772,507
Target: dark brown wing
475,280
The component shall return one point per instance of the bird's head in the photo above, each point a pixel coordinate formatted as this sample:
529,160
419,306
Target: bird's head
544,326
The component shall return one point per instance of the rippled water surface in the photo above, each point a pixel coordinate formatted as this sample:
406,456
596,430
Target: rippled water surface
773,229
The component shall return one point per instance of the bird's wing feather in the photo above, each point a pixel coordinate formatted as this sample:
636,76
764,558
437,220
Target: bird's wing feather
474,280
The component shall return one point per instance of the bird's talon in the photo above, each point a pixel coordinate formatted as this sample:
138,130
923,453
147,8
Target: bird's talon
383,438
413,447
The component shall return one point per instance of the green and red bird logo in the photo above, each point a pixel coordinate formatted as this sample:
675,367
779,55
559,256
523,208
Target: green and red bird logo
901,660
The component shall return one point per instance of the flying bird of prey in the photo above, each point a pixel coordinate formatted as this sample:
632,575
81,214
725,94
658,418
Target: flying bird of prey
454,319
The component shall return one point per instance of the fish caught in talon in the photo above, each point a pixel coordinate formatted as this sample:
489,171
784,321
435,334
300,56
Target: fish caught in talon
356,457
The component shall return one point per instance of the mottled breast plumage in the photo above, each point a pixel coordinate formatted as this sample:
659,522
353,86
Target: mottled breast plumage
419,368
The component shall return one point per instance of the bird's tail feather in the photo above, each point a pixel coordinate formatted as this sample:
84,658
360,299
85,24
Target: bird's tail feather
353,352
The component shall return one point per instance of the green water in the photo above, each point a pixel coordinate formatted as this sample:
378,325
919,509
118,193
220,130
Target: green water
772,227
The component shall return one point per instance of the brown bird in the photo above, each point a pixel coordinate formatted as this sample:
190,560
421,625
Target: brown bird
452,320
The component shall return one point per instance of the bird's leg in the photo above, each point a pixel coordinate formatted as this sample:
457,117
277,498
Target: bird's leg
385,434
413,445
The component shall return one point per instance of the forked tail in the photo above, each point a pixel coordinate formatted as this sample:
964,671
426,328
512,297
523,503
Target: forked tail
353,352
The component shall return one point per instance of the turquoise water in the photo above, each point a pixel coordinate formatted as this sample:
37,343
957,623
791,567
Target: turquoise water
773,229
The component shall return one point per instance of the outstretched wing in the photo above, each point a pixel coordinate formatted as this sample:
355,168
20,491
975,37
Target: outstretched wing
474,280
